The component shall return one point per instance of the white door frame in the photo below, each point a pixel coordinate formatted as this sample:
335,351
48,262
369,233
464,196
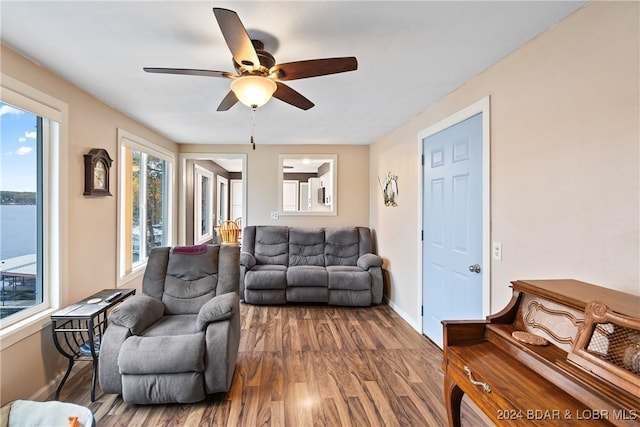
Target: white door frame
222,212
182,183
481,106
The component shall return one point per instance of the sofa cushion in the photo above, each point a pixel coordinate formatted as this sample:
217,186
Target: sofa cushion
186,387
306,246
348,278
193,266
266,277
367,261
162,355
341,246
306,275
176,324
272,245
308,294
191,280
219,308
137,313
350,298
187,297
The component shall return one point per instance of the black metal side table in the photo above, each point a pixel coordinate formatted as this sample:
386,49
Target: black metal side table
78,328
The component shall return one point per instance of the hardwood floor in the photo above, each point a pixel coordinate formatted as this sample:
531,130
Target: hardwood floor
308,366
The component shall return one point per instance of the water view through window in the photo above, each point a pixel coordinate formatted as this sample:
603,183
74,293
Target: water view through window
20,210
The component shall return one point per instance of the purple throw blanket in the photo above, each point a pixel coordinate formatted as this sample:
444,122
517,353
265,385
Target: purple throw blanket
189,250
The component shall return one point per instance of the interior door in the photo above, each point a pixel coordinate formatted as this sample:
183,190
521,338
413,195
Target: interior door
452,226
236,199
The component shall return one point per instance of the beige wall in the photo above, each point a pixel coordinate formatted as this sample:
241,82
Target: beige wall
564,161
89,256
262,189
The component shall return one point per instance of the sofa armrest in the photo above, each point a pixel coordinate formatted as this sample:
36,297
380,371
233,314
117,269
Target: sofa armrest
137,313
367,261
247,260
220,307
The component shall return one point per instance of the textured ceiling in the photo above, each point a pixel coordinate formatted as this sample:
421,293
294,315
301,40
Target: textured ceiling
410,55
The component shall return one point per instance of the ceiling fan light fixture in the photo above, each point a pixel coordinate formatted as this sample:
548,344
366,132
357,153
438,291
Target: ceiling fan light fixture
253,91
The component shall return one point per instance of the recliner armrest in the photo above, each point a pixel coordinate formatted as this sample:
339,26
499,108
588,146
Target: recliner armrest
369,260
137,313
220,307
247,260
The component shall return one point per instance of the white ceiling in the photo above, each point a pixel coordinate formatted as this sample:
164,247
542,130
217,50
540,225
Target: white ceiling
410,55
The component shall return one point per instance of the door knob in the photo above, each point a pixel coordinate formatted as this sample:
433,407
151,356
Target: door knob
475,268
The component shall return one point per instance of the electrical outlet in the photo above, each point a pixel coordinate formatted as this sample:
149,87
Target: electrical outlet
496,251
274,214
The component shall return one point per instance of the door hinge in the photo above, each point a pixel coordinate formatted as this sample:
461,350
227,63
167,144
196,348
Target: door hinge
422,159
422,310
422,235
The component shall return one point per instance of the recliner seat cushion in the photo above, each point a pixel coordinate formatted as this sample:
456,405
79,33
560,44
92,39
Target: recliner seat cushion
176,324
348,278
266,277
307,276
162,355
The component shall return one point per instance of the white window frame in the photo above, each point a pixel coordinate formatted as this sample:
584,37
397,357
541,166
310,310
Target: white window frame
55,216
128,140
198,236
222,212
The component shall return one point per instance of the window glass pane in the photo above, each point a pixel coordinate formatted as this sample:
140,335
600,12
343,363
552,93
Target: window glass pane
156,202
205,206
145,195
136,205
20,210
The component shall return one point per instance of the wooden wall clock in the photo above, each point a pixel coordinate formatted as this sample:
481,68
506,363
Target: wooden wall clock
97,164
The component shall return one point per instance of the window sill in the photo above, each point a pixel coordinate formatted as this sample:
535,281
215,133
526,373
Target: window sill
25,328
137,273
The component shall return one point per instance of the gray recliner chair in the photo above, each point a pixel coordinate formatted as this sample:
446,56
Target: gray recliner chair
178,340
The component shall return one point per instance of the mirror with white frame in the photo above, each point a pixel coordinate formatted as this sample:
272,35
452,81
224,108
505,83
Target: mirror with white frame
307,184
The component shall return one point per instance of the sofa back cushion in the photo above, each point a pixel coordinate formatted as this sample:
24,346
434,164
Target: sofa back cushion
271,245
341,246
191,280
306,246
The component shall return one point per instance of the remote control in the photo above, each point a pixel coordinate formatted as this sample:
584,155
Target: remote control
112,296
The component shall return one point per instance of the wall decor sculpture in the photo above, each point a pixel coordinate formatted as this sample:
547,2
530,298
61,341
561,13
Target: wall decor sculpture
389,189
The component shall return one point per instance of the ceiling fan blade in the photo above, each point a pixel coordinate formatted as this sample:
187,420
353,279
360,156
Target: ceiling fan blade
229,101
236,37
190,72
313,68
290,96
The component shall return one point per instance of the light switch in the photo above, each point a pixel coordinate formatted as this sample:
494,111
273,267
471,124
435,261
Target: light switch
496,251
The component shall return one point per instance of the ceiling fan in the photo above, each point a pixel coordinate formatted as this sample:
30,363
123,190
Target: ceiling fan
258,76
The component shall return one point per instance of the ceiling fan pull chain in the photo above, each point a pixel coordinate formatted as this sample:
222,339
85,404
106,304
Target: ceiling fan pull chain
253,127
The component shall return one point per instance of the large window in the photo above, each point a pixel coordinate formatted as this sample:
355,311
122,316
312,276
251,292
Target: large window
30,218
20,211
146,176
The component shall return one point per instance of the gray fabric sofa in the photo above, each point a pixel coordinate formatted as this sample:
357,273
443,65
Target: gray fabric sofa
178,340
280,264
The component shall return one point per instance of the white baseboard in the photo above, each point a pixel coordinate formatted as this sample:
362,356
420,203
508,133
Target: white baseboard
404,315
